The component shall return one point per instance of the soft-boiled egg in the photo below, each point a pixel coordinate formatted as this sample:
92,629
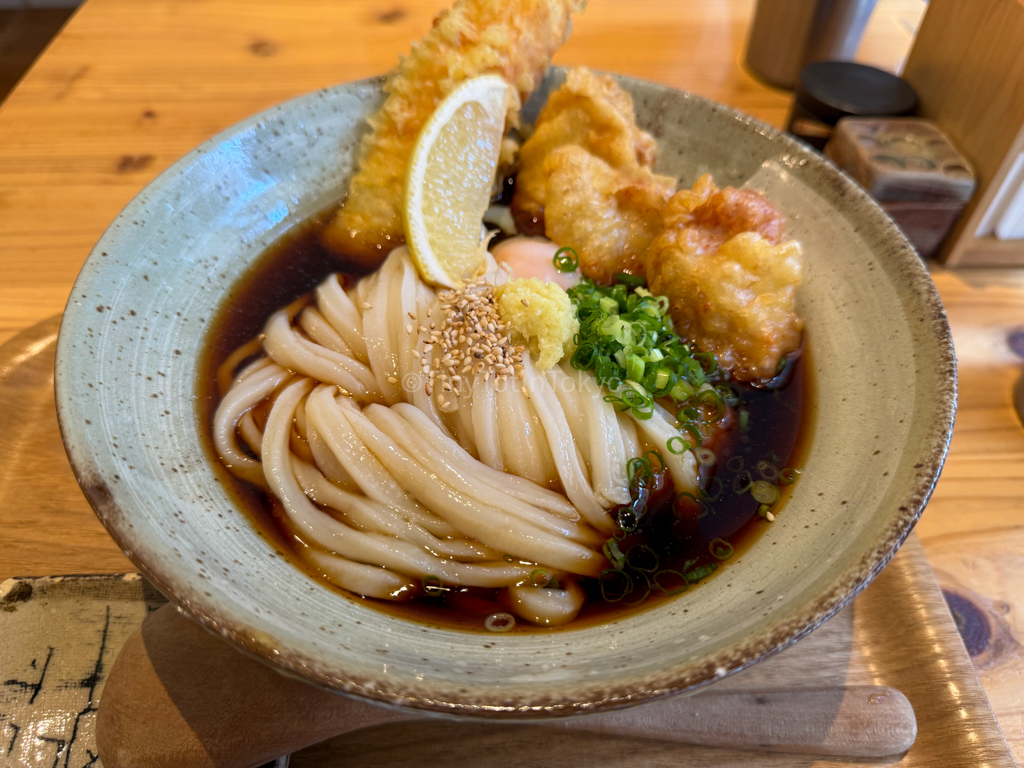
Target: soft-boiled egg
533,257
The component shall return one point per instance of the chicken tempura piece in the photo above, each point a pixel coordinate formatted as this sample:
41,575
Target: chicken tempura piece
606,216
511,38
730,278
589,111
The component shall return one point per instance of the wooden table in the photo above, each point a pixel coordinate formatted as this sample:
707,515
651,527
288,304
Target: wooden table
128,87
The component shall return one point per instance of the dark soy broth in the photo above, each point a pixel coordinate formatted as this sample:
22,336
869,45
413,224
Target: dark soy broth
681,534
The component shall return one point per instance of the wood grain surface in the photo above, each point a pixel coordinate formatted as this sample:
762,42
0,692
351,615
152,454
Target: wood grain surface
128,87
199,689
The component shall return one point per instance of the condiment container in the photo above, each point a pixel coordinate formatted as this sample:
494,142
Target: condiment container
831,90
786,35
911,168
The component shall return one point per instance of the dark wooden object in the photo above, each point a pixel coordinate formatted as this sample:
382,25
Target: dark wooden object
911,168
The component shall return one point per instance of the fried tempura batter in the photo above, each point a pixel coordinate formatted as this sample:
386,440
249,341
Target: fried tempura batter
511,38
586,170
730,279
606,216
590,111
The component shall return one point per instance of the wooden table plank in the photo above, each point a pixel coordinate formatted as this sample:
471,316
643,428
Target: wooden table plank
128,87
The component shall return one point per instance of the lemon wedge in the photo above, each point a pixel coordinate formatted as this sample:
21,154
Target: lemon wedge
449,180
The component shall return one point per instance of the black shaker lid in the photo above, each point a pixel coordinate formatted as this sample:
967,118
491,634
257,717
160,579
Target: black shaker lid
835,89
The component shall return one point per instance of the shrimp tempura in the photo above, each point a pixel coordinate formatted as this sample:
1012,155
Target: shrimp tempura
511,38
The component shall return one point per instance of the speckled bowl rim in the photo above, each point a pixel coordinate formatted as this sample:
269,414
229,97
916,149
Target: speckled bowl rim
687,678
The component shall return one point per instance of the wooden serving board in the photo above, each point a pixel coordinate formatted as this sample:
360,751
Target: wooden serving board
59,637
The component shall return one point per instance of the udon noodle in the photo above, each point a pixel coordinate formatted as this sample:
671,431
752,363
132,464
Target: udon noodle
389,490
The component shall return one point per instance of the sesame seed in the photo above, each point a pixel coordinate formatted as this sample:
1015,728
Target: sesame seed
367,305
408,328
392,380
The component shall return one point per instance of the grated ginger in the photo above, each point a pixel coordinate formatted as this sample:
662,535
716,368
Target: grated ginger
541,316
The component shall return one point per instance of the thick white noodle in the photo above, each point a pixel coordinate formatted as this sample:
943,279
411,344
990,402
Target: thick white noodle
369,515
485,424
482,521
327,463
379,330
238,400
320,331
548,607
682,466
290,350
524,451
601,432
369,580
362,466
513,485
563,449
338,309
385,488
448,469
334,536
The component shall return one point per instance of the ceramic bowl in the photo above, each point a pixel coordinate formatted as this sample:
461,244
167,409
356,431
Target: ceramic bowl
881,367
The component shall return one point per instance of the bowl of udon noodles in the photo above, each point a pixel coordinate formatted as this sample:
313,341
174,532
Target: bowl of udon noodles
369,540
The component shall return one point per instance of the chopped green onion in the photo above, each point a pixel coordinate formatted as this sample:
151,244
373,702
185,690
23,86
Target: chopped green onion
744,419
614,554
639,467
729,395
686,497
742,482
566,260
705,456
788,476
735,464
720,549
616,575
662,378
701,573
691,428
638,399
682,391
645,593
508,558
609,305
584,358
650,462
627,519
540,578
715,495
636,556
500,622
765,492
707,362
767,470
626,340
433,586
681,587
709,398
634,368
680,447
